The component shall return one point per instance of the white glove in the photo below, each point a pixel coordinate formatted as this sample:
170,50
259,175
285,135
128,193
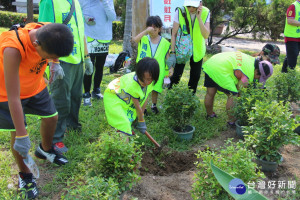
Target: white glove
56,71
89,68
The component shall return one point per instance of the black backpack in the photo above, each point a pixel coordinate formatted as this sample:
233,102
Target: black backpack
119,61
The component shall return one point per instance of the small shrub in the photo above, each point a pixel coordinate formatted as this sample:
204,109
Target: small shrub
287,86
179,106
94,188
245,102
272,127
7,19
114,157
235,159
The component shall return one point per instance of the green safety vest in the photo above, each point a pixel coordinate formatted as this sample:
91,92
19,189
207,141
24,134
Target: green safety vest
290,30
199,47
75,24
220,68
144,50
118,101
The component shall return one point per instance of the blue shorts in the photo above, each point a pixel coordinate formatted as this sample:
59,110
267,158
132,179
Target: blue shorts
40,104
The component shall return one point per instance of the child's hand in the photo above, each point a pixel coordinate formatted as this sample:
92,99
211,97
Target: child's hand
22,145
142,127
149,29
89,67
56,71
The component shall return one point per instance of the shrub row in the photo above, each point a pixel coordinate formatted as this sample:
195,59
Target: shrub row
7,19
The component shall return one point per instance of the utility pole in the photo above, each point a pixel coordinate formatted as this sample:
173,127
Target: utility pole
29,11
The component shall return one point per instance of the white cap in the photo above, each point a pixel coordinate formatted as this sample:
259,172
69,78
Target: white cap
193,3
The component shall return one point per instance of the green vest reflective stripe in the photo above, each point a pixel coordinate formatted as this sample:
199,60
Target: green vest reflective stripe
118,100
89,39
293,31
144,50
199,47
220,68
75,24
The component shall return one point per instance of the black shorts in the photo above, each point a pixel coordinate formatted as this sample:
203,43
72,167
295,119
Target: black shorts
208,82
40,104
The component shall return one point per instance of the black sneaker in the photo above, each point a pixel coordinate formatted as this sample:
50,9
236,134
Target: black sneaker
27,185
96,94
87,100
154,109
50,155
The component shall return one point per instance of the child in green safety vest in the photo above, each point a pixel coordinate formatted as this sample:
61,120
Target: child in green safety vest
152,44
229,71
125,98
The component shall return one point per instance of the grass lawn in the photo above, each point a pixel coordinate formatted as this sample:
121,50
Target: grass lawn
56,181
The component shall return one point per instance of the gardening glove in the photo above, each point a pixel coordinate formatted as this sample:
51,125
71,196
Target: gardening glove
89,68
142,127
171,61
56,71
22,145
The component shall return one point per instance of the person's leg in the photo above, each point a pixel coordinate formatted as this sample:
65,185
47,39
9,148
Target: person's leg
178,71
284,65
209,100
48,126
292,51
195,73
61,95
99,61
76,97
154,108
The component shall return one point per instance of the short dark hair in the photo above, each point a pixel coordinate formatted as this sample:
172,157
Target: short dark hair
154,21
55,39
149,65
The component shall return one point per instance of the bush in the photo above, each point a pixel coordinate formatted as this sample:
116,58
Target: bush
114,157
180,105
94,188
272,127
7,19
235,159
118,30
287,86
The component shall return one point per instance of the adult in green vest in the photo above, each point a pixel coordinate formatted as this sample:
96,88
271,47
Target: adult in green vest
292,36
126,97
98,18
229,71
66,87
151,44
198,18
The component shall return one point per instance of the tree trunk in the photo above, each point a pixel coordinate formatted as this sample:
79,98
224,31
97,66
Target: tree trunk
128,27
29,11
139,17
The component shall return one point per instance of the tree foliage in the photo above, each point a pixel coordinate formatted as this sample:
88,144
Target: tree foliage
239,15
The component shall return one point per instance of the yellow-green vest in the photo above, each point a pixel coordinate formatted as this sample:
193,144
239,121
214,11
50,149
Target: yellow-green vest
293,31
144,50
75,24
199,47
220,68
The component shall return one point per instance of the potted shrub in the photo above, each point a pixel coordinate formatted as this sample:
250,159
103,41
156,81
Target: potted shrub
272,127
243,104
179,107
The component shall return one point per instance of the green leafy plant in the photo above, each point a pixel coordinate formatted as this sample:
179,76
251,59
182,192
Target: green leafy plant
272,127
7,19
245,102
233,158
287,86
115,157
94,188
179,106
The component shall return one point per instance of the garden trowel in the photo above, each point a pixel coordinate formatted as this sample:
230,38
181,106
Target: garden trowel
29,162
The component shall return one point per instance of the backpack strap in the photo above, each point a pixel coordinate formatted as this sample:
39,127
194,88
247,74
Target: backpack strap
68,18
16,27
183,12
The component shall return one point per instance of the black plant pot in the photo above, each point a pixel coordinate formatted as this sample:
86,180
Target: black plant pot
267,166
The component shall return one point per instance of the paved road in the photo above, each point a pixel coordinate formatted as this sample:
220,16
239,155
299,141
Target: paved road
246,44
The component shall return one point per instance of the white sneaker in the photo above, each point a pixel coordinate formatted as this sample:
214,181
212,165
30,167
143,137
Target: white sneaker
87,100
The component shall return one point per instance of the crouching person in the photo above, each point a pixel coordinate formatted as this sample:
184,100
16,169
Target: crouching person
126,97
228,72
23,60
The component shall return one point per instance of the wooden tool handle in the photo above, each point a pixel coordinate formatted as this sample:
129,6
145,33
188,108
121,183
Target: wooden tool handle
152,140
